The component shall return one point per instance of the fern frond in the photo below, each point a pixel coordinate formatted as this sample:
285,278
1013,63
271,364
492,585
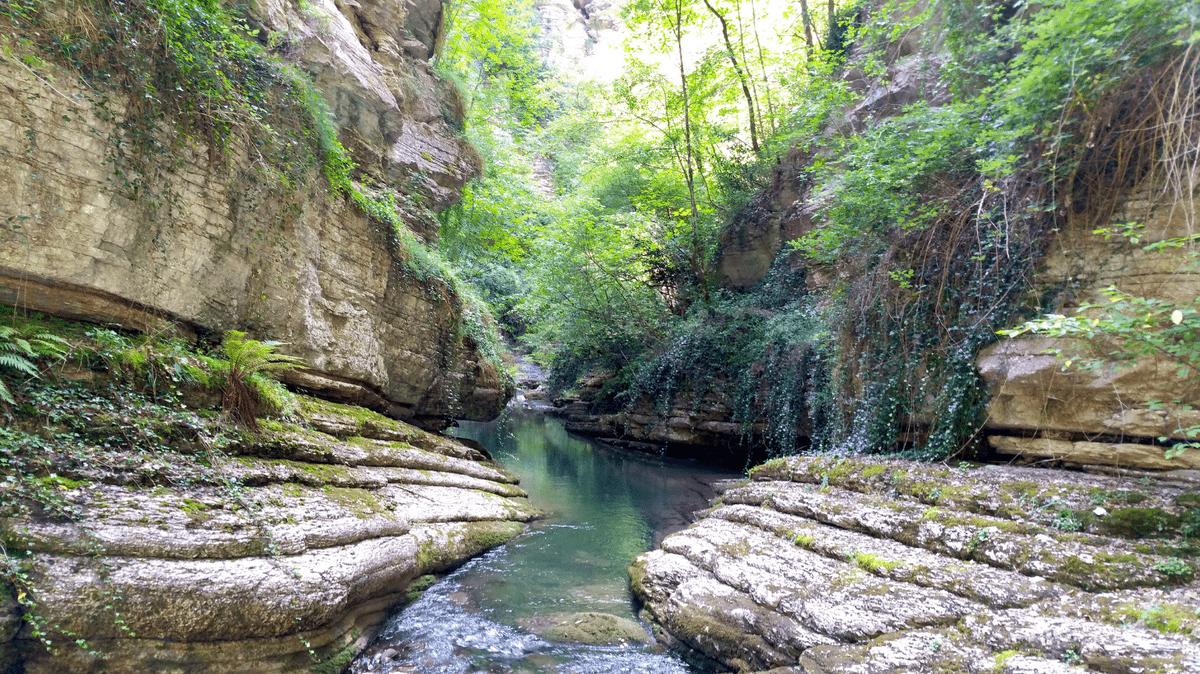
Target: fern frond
49,344
24,347
4,393
19,363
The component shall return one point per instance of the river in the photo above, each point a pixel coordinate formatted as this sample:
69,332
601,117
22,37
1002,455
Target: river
604,507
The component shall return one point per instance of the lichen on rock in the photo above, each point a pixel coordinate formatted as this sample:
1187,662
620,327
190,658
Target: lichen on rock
823,564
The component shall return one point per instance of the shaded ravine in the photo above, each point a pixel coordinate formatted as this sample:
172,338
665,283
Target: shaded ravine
604,507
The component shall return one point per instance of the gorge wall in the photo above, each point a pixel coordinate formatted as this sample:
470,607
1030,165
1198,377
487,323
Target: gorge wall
142,530
207,239
1112,414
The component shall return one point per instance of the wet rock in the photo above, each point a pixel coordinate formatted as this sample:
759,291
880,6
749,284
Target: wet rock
847,565
593,629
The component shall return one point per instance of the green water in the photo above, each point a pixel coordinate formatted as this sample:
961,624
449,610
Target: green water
604,507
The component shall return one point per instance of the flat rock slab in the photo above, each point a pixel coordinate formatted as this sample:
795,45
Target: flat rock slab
827,565
282,553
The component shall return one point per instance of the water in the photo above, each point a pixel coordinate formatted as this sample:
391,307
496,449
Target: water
605,507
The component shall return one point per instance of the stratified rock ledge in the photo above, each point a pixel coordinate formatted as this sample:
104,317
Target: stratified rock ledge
853,566
292,566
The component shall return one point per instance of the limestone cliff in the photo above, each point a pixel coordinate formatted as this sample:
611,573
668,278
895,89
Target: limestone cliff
580,36
1117,414
214,237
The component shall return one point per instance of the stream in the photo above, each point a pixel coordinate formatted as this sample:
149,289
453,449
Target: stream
604,507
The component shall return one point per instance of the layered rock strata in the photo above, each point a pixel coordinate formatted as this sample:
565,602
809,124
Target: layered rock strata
289,564
821,565
1106,414
209,243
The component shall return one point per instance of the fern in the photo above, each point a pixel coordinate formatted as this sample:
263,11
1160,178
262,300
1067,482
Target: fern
248,357
19,351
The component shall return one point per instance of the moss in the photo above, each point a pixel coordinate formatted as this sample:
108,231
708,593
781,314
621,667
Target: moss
293,490
1028,489
847,579
1009,512
739,549
695,626
1142,523
804,541
473,538
418,586
595,629
873,470
361,417
977,522
1188,500
637,573
1001,658
770,468
191,506
362,502
62,482
875,564
337,662
1165,618
843,469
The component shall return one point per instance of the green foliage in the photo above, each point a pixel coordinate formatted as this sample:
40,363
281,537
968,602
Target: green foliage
590,293
901,175
495,43
1173,566
160,364
247,359
21,348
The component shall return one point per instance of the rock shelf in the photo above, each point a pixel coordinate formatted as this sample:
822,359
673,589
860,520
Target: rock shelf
859,566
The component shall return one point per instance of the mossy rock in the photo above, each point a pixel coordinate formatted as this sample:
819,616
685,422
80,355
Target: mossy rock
591,629
1141,523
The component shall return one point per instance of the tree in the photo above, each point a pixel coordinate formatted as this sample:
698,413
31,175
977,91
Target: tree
740,74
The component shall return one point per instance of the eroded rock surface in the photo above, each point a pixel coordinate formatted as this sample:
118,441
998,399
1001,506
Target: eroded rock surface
209,239
821,565
288,563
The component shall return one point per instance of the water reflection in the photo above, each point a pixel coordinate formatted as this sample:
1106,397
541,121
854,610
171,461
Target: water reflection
604,506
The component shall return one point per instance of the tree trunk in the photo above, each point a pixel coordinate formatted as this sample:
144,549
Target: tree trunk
832,20
696,252
808,32
741,75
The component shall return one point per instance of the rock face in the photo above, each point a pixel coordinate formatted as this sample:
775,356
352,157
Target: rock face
1046,412
216,247
289,567
1112,415
825,565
